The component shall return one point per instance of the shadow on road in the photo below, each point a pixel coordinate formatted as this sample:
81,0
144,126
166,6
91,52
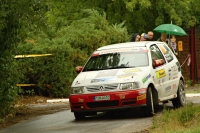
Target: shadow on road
133,113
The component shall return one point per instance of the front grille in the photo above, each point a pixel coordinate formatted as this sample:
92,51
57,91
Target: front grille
103,104
99,88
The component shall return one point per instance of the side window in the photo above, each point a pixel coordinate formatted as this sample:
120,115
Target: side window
166,51
156,53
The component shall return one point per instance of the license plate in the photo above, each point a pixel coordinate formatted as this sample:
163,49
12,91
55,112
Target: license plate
98,98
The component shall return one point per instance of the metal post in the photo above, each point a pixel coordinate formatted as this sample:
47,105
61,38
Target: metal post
192,51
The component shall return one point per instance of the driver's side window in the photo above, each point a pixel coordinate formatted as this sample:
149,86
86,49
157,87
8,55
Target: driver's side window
156,53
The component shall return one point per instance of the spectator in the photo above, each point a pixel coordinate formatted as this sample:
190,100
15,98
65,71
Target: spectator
144,37
163,38
173,44
135,38
150,35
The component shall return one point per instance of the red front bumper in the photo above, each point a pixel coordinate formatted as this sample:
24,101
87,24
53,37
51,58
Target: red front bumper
117,100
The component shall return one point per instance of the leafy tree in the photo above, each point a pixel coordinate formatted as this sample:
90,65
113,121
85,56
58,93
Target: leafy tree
71,45
8,40
144,15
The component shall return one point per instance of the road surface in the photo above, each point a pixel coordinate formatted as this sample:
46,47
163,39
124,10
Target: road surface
129,121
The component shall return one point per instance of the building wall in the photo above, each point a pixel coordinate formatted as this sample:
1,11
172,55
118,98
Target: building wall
182,55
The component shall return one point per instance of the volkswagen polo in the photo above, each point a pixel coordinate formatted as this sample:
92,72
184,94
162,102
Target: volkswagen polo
127,75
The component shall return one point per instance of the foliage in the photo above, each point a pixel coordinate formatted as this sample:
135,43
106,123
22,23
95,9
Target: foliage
71,46
183,119
144,15
8,40
189,83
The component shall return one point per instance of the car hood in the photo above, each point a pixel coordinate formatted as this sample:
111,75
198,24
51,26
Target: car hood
110,76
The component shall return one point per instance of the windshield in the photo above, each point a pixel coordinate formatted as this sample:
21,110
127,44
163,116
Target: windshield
117,60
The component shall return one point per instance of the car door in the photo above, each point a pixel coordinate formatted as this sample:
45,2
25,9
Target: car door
160,74
173,67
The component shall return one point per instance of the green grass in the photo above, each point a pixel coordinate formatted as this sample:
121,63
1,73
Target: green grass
193,89
182,120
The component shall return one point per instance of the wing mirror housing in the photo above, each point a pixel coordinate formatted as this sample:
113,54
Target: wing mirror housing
158,62
79,69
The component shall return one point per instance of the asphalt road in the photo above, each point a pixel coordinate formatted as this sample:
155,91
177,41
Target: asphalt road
128,121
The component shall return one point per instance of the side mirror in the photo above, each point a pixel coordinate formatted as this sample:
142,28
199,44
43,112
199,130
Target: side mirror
79,69
158,62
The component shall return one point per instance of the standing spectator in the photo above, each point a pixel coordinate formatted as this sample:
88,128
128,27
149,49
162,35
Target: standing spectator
144,37
173,44
135,38
163,38
150,35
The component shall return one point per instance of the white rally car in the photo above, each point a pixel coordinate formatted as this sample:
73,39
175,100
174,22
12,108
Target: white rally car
127,75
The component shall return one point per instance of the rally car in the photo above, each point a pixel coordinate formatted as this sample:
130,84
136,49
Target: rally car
127,75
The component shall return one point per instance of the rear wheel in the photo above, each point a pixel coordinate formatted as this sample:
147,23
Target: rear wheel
180,100
79,115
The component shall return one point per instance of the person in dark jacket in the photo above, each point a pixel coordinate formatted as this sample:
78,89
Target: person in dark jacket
135,37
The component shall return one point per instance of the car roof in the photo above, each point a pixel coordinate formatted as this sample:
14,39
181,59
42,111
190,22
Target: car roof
128,44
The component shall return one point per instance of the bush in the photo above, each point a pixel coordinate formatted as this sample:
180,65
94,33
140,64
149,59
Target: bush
71,46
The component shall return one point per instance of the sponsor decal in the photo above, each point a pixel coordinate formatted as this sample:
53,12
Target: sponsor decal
127,79
175,75
174,86
159,82
143,50
77,83
146,78
122,96
103,79
127,75
168,89
107,73
95,54
81,100
174,68
117,50
141,97
133,70
162,48
160,73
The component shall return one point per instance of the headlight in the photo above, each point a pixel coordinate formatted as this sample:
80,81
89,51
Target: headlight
129,86
75,90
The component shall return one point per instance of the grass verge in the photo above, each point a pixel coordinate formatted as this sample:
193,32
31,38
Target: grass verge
182,120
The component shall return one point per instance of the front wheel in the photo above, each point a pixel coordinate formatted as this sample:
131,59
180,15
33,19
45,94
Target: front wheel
180,100
149,109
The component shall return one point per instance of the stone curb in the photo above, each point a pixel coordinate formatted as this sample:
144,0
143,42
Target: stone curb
57,100
193,95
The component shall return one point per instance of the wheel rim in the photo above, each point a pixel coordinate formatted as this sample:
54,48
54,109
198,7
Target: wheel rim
182,93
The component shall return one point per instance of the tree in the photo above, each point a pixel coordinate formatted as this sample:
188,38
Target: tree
144,15
8,40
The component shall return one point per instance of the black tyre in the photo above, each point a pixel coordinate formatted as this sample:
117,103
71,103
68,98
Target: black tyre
180,100
149,110
79,115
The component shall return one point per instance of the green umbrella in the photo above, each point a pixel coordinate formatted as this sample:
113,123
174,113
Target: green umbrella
170,29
